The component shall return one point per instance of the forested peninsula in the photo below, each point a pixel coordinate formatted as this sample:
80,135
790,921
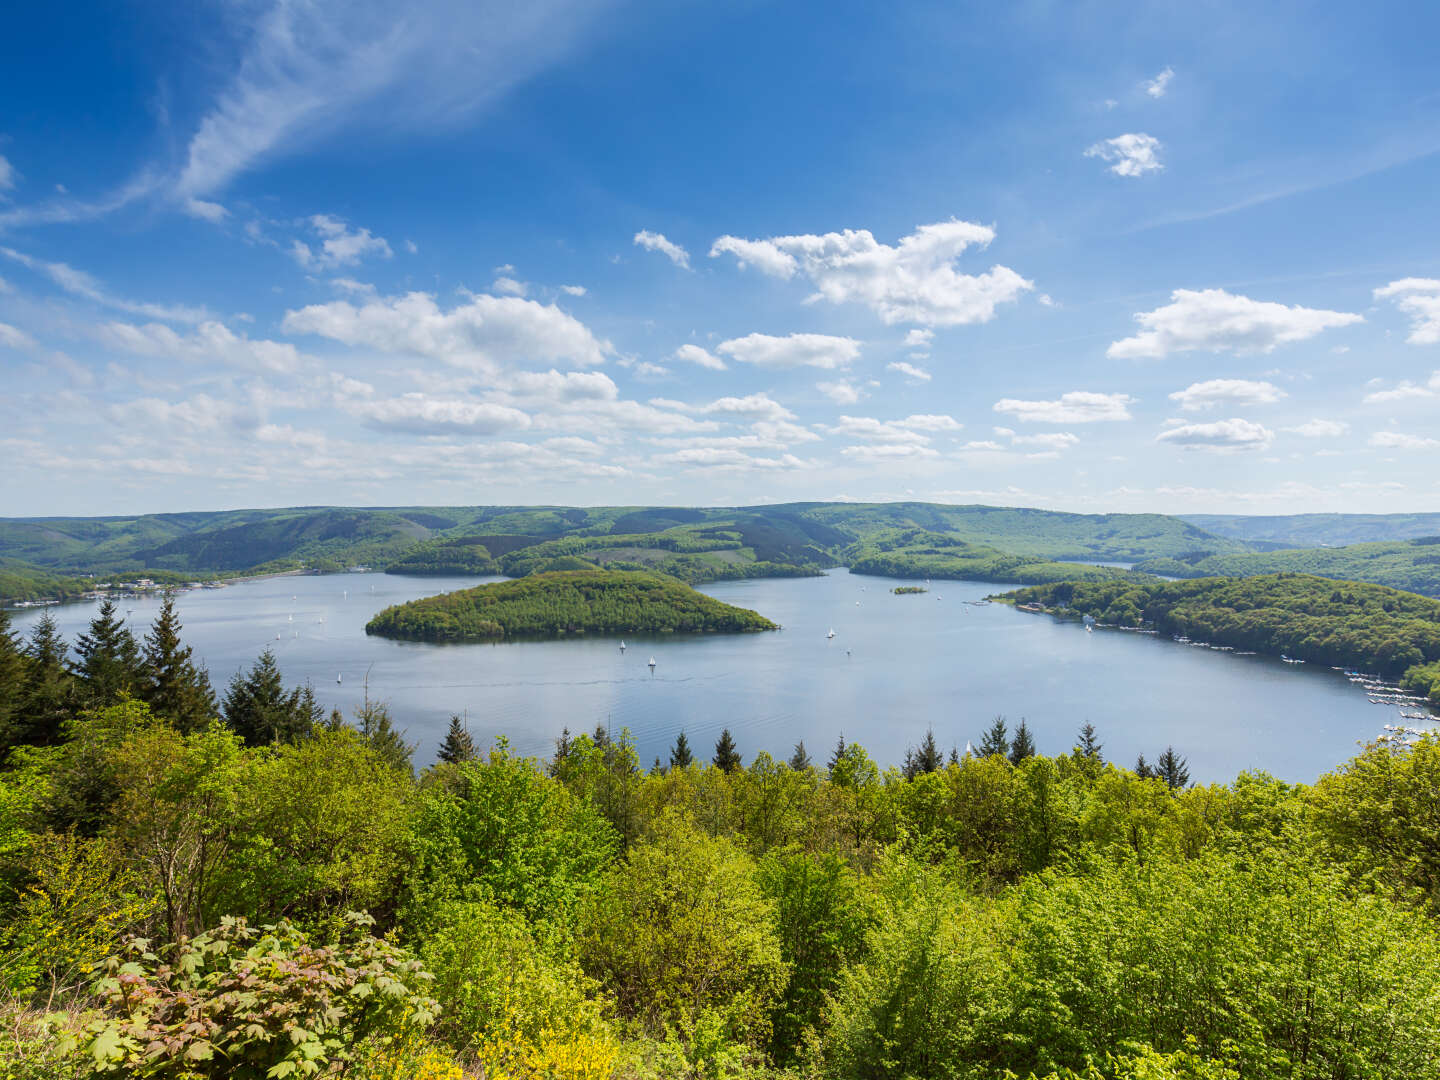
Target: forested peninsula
549,604
1309,618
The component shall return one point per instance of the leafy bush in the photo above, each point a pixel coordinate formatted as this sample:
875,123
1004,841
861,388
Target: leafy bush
245,1004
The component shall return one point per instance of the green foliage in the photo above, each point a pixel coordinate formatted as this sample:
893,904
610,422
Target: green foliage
458,745
1413,564
1299,615
708,943
107,659
253,1005
908,590
920,553
440,558
174,687
259,709
502,831
566,602
493,976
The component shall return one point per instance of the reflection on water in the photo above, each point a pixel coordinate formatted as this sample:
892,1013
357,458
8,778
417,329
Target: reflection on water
896,665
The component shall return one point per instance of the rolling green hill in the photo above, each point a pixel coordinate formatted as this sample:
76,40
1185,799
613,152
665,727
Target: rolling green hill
1317,530
1413,565
917,553
693,544
566,602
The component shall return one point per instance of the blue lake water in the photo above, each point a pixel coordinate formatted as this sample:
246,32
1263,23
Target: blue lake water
897,665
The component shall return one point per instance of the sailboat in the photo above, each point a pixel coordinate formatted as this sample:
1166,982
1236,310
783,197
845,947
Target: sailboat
622,646
831,634
339,679
652,665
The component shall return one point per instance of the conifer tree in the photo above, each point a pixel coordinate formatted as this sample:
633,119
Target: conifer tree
838,754
1143,769
680,755
261,711
1173,769
458,745
954,756
928,758
1089,747
800,760
995,740
48,696
601,738
378,729
1022,746
562,751
108,659
12,681
174,687
726,758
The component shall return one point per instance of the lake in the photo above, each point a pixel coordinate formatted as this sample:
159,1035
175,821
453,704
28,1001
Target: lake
897,665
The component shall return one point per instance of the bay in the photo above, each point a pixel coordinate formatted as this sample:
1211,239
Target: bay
896,666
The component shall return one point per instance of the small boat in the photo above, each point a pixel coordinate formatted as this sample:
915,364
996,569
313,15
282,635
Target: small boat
652,665
831,634
622,646
847,652
339,679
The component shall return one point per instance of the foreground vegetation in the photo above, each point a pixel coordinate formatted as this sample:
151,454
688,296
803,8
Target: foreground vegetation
1369,627
564,602
253,888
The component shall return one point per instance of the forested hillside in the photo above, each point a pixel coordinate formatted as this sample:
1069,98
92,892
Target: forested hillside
694,544
1317,530
1413,565
198,889
564,602
1370,627
919,553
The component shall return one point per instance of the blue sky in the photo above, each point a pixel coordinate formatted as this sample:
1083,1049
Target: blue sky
1088,256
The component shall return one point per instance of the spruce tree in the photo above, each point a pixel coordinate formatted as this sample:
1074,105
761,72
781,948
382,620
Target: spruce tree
726,758
838,754
1089,747
47,699
995,741
379,731
954,756
12,682
1022,746
108,659
1173,769
680,755
928,758
458,745
562,751
261,711
174,687
601,738
1143,769
800,760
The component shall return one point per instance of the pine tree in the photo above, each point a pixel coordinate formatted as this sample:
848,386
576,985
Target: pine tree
12,682
928,758
601,738
562,751
378,729
954,756
800,760
995,740
260,710
1089,747
174,687
680,755
108,661
1143,769
1173,769
47,699
726,758
838,754
458,745
1022,746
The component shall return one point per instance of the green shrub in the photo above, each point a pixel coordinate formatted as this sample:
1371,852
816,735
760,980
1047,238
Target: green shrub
253,1005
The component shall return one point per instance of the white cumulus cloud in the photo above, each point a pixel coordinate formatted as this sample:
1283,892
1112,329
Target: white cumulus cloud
694,354
480,334
914,281
749,407
1418,298
840,391
1219,436
1395,440
207,343
793,350
1217,321
1200,396
1075,407
420,414
1319,429
910,371
1132,154
337,244
653,241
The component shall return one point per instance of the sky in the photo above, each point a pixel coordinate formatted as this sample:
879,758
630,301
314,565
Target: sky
1077,255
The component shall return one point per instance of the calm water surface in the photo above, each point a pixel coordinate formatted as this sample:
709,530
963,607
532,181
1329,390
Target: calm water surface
896,665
